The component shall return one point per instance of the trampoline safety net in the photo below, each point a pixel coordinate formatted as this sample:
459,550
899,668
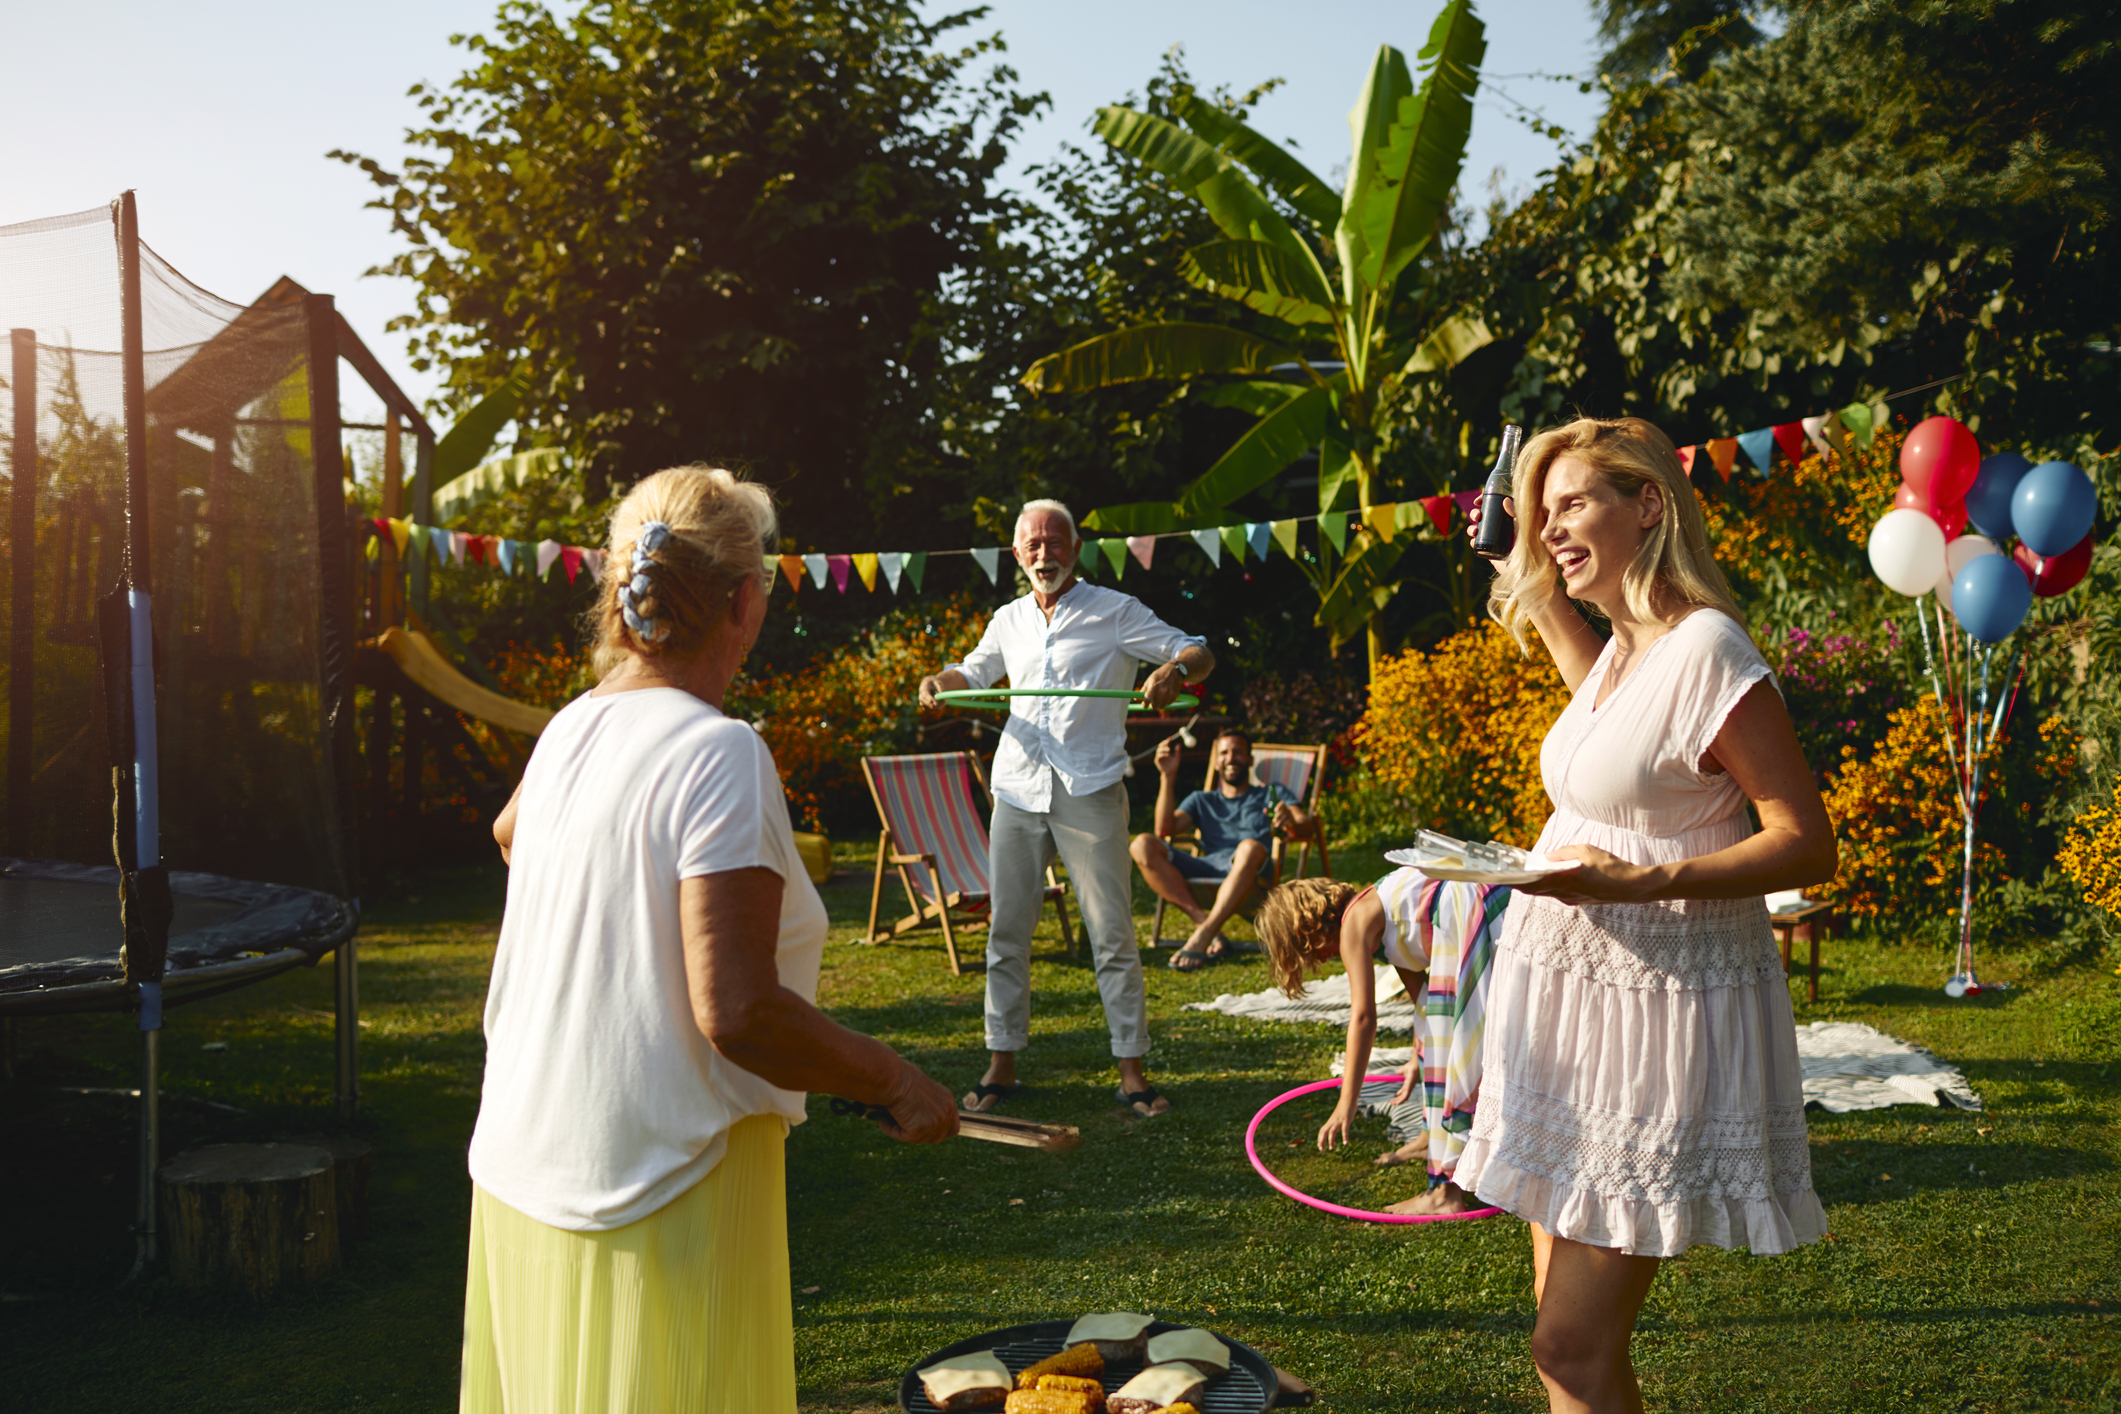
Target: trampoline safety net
246,664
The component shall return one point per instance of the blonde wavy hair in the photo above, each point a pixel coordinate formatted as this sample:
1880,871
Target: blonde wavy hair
722,529
1672,573
1294,920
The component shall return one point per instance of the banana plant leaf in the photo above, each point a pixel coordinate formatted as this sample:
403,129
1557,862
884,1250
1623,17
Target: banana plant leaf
1264,276
1363,587
1238,207
1297,184
1251,395
1417,166
490,481
1257,457
1369,122
1175,350
466,443
1449,343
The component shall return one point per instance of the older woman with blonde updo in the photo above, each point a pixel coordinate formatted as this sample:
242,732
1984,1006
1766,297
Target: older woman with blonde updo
651,1025
1640,1089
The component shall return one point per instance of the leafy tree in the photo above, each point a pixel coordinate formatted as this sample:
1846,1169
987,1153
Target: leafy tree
1641,35
721,229
1325,271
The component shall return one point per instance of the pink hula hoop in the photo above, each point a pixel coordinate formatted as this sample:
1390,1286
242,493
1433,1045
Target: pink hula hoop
1363,1214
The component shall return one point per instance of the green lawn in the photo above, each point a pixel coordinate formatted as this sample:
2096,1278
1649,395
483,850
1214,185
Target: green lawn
1973,1264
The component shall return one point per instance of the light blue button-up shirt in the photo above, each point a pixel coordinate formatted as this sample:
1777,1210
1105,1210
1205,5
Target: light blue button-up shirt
1096,638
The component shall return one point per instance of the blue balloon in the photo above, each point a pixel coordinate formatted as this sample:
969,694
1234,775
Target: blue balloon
1988,500
2053,507
1990,597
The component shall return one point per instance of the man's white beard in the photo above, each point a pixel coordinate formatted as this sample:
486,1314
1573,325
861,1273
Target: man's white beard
1048,578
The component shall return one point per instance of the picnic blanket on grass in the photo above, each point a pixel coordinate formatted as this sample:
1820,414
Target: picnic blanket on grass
1846,1065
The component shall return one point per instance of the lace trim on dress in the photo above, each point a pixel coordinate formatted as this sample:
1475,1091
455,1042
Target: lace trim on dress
1684,945
1760,1155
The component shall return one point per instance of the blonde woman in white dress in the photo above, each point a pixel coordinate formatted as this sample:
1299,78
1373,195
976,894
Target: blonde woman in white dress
1641,1090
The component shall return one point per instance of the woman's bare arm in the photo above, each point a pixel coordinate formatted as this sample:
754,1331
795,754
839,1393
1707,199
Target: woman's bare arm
504,824
1360,928
1569,640
732,928
1794,848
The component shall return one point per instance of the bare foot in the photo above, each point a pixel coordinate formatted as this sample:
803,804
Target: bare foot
1413,1151
1208,946
1147,1103
1438,1201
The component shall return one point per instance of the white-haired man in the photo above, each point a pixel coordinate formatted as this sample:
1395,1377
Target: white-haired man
1058,787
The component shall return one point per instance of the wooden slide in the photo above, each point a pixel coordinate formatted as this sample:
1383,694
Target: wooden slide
417,657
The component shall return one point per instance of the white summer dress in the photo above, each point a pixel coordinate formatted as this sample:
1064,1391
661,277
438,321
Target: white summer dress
1641,1088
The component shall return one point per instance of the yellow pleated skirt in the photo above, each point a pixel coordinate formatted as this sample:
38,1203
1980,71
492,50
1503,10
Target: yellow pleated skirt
686,1310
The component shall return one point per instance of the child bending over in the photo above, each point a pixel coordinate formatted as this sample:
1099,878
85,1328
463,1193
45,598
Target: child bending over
1440,937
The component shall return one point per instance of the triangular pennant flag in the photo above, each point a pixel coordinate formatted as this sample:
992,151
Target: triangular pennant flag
1211,545
840,565
371,547
792,570
382,526
595,560
1439,509
818,569
865,566
1285,536
1259,534
1686,459
891,562
1334,526
1790,437
400,532
916,566
1723,451
571,561
1143,547
1826,434
452,547
548,551
1857,418
1234,541
506,550
1465,501
989,560
416,535
1759,448
1382,520
479,549
1114,549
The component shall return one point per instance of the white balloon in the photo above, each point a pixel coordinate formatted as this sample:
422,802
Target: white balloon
1907,551
1957,556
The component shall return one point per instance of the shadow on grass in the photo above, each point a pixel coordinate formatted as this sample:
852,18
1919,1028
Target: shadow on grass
1900,994
1857,1171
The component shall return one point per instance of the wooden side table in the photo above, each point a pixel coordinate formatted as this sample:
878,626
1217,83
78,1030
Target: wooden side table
1815,919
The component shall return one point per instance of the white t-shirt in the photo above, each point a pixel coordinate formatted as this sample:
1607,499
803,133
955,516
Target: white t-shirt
602,1100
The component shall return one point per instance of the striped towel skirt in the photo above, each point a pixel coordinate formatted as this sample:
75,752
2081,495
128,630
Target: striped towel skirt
686,1310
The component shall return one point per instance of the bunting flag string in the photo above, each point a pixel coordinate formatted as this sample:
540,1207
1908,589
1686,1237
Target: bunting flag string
1829,433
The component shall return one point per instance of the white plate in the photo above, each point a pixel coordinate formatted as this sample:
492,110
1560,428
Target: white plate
1536,867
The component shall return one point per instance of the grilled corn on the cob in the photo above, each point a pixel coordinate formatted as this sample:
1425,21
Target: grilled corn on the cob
1080,1359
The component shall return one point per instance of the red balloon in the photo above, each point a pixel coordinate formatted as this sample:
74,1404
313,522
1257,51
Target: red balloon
1950,519
1940,460
2055,574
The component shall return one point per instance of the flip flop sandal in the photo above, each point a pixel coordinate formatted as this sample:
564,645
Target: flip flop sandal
1184,961
1131,1098
1000,1094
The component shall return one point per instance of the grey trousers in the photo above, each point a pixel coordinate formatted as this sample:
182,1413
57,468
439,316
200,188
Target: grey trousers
1089,832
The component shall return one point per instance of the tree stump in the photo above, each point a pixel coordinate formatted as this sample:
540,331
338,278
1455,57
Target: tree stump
256,1218
350,1174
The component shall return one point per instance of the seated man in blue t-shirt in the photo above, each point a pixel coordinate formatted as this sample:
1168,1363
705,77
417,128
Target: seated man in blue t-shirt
1236,821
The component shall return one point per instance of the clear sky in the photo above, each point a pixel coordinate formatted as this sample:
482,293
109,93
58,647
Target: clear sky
219,112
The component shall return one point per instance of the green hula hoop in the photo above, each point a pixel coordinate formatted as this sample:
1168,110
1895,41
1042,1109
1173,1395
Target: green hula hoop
998,698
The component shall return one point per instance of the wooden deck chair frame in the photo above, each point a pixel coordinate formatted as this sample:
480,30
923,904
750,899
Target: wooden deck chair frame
889,854
1277,851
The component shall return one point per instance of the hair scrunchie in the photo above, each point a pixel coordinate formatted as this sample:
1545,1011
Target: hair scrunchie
653,535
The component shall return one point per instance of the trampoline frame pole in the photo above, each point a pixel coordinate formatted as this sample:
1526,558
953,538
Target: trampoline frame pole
145,1228
22,571
335,640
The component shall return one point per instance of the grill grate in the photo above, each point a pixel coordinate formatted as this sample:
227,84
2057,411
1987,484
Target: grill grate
1248,1388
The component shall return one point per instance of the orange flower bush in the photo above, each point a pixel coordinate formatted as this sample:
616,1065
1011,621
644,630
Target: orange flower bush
2091,854
823,718
1455,734
1836,500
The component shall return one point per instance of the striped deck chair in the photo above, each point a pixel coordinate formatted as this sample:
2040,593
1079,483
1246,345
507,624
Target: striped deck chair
934,836
1301,772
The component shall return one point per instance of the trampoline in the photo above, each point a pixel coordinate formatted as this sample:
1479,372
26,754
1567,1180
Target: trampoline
179,625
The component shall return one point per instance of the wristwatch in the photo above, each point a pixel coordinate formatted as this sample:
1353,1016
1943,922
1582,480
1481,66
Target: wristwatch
1185,674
